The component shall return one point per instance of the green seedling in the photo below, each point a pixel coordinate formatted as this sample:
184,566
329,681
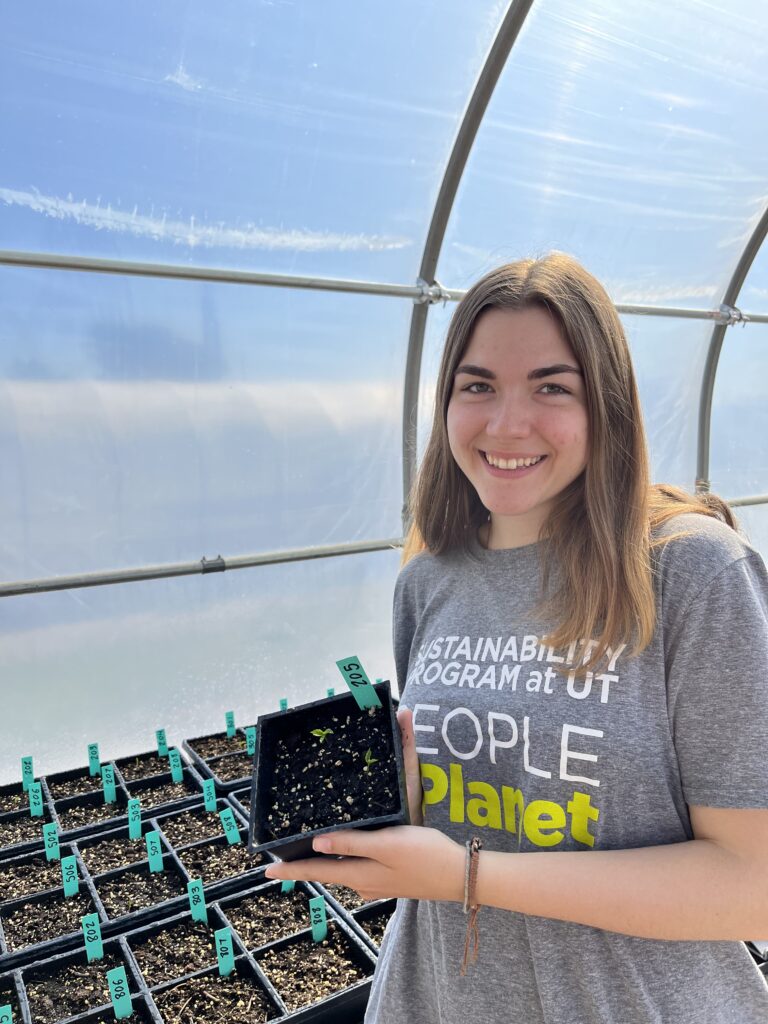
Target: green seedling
369,759
321,733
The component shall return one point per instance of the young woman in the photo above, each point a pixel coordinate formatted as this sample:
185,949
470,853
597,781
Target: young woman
583,662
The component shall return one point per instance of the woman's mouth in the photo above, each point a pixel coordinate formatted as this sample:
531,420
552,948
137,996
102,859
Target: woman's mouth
512,466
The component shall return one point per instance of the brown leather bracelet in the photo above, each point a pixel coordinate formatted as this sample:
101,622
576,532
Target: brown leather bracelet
474,845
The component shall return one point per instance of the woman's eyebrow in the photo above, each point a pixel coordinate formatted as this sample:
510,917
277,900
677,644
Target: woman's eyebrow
537,374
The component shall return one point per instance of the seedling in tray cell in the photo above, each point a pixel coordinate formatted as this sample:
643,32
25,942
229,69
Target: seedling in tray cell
238,998
24,876
43,918
70,984
218,860
138,889
174,948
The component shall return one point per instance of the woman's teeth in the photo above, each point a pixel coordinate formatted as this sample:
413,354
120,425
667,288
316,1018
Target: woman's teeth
512,463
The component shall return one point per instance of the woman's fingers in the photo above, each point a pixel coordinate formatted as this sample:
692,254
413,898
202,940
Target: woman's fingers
412,770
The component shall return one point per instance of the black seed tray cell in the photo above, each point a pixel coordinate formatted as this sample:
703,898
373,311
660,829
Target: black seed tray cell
240,800
109,851
109,885
13,922
143,1013
42,981
195,858
344,1006
161,792
147,765
14,798
370,921
11,995
74,782
29,874
194,824
21,833
294,726
200,748
161,934
87,815
258,932
247,982
229,772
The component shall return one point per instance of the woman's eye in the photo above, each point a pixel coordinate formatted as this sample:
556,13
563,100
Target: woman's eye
558,390
478,384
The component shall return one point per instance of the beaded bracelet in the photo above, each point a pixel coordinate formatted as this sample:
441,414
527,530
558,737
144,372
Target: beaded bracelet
471,906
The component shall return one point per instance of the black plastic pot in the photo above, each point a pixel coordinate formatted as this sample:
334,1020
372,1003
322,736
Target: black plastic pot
33,838
284,725
95,801
128,772
355,915
51,966
218,886
188,792
381,909
244,969
219,767
26,864
94,783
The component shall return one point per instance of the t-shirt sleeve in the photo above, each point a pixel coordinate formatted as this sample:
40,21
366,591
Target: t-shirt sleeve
717,689
404,618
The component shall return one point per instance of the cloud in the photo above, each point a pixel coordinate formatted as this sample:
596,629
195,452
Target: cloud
182,78
191,233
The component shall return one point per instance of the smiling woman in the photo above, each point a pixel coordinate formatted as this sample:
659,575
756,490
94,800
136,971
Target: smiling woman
582,663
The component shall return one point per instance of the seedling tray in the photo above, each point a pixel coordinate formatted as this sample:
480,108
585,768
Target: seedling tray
147,765
14,798
161,793
215,744
194,824
289,739
30,873
244,983
227,875
370,921
352,908
21,833
73,782
11,993
89,815
230,768
240,799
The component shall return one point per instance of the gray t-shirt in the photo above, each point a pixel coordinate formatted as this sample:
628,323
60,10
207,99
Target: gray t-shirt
611,763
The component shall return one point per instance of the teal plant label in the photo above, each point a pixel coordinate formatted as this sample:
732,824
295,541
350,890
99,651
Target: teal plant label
70,876
229,718
283,703
231,831
6,1015
27,773
51,841
224,954
108,782
35,793
94,764
330,692
318,919
118,993
288,885
94,949
162,742
174,759
250,740
209,795
358,682
134,818
197,900
154,851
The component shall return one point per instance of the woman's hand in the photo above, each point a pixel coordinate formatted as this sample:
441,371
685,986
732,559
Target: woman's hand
414,863
412,770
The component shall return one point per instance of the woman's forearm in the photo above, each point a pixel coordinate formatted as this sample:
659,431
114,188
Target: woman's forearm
689,890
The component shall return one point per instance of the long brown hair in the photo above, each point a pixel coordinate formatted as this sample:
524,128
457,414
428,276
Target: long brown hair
601,528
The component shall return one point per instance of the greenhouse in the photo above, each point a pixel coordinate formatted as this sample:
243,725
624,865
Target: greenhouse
234,244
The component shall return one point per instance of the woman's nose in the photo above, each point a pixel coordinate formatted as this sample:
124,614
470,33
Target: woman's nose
509,419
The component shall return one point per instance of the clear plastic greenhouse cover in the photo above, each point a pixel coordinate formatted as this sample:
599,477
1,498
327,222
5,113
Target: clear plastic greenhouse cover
154,419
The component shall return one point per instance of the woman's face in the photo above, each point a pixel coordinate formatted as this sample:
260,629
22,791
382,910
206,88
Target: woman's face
518,394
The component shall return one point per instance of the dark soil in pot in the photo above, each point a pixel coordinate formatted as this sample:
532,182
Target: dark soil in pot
163,793
190,827
138,889
33,874
219,743
213,861
209,998
305,971
142,767
108,854
268,914
77,786
13,798
22,829
79,815
376,925
184,948
45,919
347,774
348,898
228,769
70,990
8,997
